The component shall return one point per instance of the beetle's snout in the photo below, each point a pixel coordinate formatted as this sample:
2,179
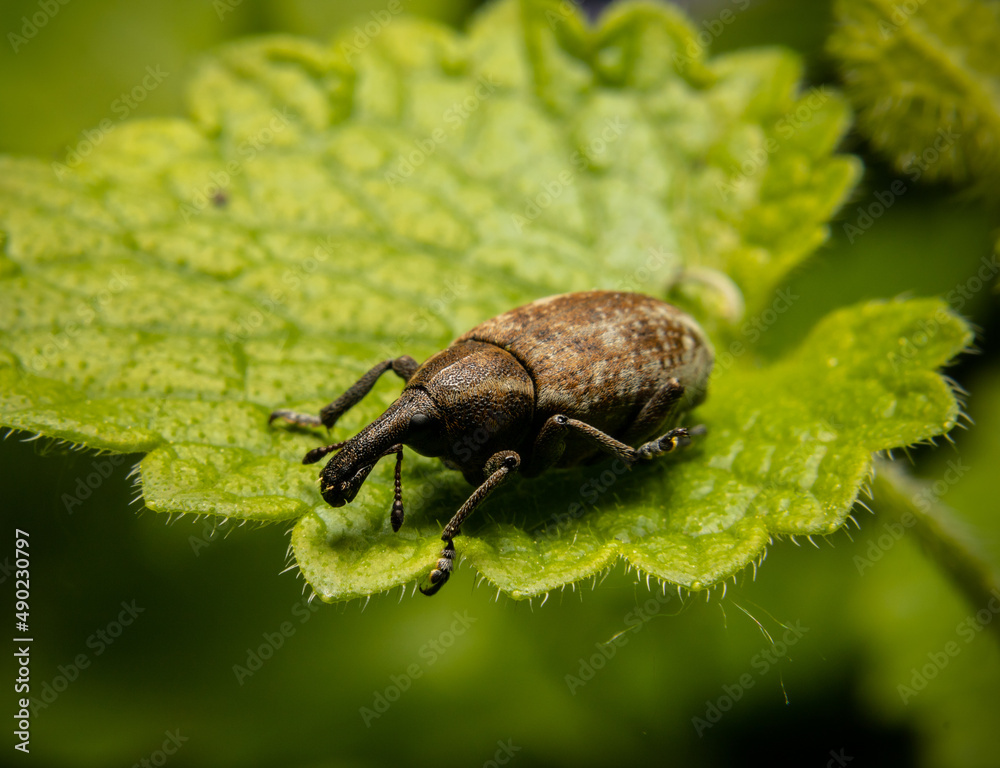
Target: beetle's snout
340,488
334,496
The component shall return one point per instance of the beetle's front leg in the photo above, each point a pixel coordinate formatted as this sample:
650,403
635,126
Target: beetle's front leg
404,367
499,467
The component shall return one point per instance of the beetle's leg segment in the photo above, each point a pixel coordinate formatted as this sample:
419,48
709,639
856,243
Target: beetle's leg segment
442,570
551,441
318,453
658,410
500,466
404,367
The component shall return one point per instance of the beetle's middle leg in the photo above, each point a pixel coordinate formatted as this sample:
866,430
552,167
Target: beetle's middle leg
499,467
404,367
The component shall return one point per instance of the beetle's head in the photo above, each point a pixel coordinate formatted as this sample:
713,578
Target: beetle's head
463,405
412,419
469,401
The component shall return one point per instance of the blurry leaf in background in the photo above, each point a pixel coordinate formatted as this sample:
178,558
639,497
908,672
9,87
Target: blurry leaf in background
320,18
925,78
84,66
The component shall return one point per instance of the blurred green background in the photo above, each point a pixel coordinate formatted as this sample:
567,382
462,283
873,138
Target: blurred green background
473,680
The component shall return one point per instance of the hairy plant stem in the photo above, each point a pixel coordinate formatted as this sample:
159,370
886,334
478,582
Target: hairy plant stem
942,534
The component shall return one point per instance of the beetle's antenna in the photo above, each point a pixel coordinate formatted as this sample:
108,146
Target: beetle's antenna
396,515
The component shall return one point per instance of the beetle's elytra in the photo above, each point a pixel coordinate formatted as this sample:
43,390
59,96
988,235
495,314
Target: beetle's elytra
550,384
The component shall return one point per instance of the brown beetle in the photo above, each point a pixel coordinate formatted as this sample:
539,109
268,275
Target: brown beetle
551,384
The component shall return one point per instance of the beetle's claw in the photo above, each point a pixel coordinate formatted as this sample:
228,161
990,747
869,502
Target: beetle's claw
674,439
442,571
681,438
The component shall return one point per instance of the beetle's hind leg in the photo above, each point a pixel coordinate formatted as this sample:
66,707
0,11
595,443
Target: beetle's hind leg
675,438
499,468
551,442
662,408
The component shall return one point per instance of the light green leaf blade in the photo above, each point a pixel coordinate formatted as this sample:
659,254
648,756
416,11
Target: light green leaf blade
326,207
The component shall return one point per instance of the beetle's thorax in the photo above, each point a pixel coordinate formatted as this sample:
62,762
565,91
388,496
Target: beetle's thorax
485,401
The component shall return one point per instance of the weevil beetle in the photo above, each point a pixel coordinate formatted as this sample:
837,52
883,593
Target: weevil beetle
550,384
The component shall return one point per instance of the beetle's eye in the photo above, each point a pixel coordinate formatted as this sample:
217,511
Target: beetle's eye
420,421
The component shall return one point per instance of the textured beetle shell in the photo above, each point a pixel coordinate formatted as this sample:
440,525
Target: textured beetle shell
600,356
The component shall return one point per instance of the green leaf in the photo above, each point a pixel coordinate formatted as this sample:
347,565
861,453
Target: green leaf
925,79
324,208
